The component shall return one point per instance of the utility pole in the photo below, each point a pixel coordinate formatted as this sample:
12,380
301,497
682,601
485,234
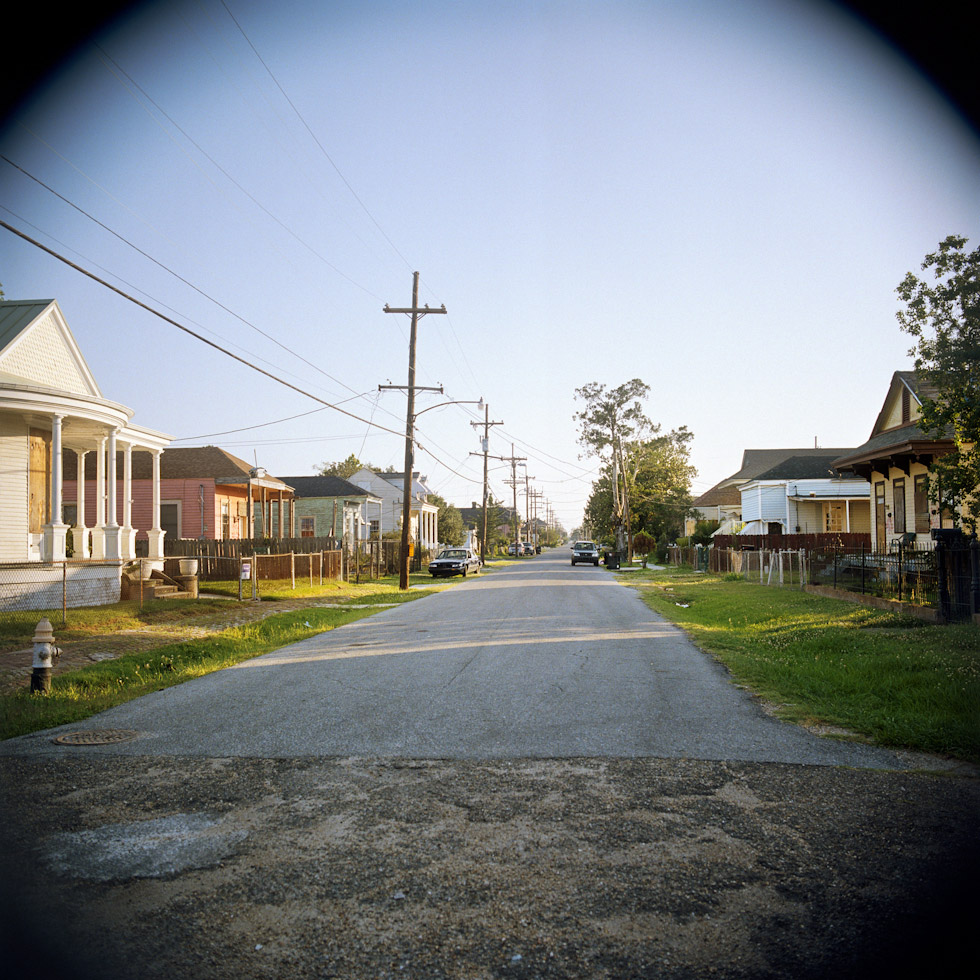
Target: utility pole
415,311
512,482
527,499
486,449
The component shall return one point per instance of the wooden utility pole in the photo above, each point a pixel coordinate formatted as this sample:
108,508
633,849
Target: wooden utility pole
486,423
415,311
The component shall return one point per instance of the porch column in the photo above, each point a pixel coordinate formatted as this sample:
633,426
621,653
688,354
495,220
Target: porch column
281,522
79,533
54,536
127,537
847,516
156,533
98,532
113,551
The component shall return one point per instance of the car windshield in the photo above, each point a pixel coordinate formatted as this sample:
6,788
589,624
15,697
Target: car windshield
584,545
455,553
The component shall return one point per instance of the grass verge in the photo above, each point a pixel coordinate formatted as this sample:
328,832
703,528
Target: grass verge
818,661
78,694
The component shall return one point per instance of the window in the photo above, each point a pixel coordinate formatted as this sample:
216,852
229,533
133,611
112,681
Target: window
898,505
375,529
307,527
225,520
921,503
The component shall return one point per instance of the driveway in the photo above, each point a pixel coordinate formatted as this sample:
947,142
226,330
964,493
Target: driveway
527,776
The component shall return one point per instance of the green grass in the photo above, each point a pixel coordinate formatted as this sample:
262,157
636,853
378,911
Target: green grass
76,695
896,680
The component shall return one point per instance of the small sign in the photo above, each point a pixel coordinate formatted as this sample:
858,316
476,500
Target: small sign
246,570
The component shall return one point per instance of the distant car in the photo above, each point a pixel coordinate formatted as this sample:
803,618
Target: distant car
512,550
585,551
454,561
527,548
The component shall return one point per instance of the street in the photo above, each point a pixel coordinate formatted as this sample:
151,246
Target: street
526,775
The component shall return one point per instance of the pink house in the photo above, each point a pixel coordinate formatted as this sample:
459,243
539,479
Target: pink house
204,493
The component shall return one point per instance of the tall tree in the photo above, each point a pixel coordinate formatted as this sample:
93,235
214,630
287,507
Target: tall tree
944,319
610,418
660,473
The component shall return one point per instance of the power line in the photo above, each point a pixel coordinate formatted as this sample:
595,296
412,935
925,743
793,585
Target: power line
192,333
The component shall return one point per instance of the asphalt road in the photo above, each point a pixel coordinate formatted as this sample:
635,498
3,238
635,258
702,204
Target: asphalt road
529,775
536,660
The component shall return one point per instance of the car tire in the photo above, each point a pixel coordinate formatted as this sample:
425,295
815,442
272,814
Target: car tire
596,563
464,573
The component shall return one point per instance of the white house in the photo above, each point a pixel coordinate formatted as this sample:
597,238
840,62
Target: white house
389,487
814,506
50,402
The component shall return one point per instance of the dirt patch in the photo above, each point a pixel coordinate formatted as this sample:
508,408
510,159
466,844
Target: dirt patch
586,868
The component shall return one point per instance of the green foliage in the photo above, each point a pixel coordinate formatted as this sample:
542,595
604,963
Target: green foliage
703,531
944,318
899,681
450,520
643,542
345,469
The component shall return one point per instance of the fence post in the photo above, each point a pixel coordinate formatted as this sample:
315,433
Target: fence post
64,594
901,566
292,568
835,566
862,568
975,577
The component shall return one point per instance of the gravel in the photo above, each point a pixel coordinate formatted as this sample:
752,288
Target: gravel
120,866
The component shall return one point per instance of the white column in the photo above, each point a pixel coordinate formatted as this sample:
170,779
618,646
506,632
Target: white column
112,544
54,537
127,540
156,533
98,532
79,533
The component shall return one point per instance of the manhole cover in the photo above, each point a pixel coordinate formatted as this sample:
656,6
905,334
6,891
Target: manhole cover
104,736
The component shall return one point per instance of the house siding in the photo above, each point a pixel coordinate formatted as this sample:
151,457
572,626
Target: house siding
14,529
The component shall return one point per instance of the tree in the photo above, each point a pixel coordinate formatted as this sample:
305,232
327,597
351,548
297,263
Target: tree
450,521
610,418
660,473
345,469
944,319
657,474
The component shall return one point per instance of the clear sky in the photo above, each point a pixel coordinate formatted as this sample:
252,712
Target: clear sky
717,198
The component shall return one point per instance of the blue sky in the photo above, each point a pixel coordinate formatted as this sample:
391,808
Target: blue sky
717,198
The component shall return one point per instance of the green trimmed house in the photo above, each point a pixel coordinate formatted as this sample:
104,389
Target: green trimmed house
330,506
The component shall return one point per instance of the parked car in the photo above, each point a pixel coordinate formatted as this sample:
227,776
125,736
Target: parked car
512,550
527,548
585,551
454,561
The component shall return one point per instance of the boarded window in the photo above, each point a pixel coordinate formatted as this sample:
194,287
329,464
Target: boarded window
898,505
39,479
921,504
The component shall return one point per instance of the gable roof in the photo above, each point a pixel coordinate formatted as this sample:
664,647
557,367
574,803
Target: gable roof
803,468
325,486
722,494
897,444
756,462
37,349
183,463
